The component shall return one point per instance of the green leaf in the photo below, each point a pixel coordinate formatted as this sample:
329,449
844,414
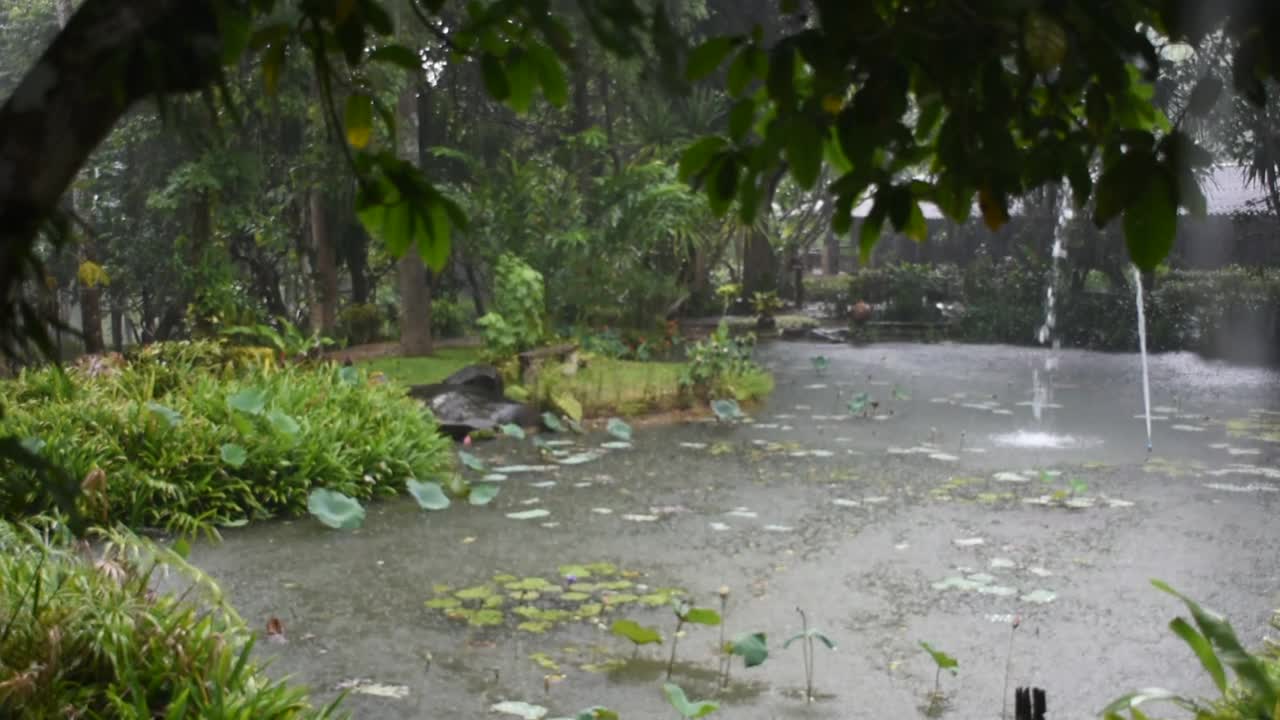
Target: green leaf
495,77
698,155
751,647
941,659
335,509
1045,41
349,376
704,59
701,616
398,55
233,27
619,429
1200,645
555,88
552,422
182,547
1249,669
283,423
741,116
234,455
471,461
1119,184
596,713
482,493
635,632
248,401
869,233
682,704
1133,700
511,430
520,77
831,644
804,153
429,495
171,416
726,409
1151,222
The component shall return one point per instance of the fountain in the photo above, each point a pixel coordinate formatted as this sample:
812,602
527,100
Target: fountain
1142,348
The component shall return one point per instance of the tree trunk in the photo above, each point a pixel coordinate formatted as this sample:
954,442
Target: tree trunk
111,54
324,309
355,254
415,293
759,265
117,325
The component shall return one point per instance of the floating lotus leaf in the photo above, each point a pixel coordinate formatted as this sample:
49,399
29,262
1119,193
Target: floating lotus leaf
429,495
619,429
335,509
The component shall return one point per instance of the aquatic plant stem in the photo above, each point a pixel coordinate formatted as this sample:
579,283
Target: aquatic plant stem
726,659
807,653
1008,667
675,640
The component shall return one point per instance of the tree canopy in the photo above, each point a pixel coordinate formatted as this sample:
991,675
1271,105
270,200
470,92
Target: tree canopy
963,104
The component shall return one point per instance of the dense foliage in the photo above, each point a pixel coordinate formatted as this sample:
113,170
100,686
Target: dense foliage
1212,312
174,440
86,635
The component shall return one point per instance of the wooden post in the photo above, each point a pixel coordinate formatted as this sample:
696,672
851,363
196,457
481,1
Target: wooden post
1029,704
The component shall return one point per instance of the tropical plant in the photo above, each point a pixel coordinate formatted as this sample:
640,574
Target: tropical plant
289,341
516,323
715,363
687,708
95,635
807,636
941,661
1255,695
186,449
687,614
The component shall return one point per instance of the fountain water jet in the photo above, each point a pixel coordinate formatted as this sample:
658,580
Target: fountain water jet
1142,348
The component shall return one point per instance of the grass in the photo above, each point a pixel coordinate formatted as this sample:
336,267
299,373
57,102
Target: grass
425,370
605,386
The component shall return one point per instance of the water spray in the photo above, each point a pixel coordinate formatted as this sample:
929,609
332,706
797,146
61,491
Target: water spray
1142,348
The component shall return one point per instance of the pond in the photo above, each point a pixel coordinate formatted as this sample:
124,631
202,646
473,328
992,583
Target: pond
902,493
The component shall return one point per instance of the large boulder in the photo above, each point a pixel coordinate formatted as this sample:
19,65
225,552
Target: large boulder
485,377
471,399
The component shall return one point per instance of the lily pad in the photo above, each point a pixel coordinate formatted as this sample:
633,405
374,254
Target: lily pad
1040,597
487,617
512,430
521,710
472,461
619,429
726,409
335,509
234,455
248,401
578,458
529,514
751,647
689,709
517,469
635,632
552,422
429,495
482,493
616,445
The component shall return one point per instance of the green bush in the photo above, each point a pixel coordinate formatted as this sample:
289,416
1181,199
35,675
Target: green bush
360,324
85,638
829,291
209,448
908,290
715,364
517,321
449,318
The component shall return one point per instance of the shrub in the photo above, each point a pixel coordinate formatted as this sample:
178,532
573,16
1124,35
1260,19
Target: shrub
210,448
831,292
360,324
907,290
91,639
714,364
516,323
448,318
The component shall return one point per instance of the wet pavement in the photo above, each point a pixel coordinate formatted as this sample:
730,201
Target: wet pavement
970,484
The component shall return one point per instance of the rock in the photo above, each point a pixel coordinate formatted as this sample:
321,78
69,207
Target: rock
482,376
471,399
833,335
